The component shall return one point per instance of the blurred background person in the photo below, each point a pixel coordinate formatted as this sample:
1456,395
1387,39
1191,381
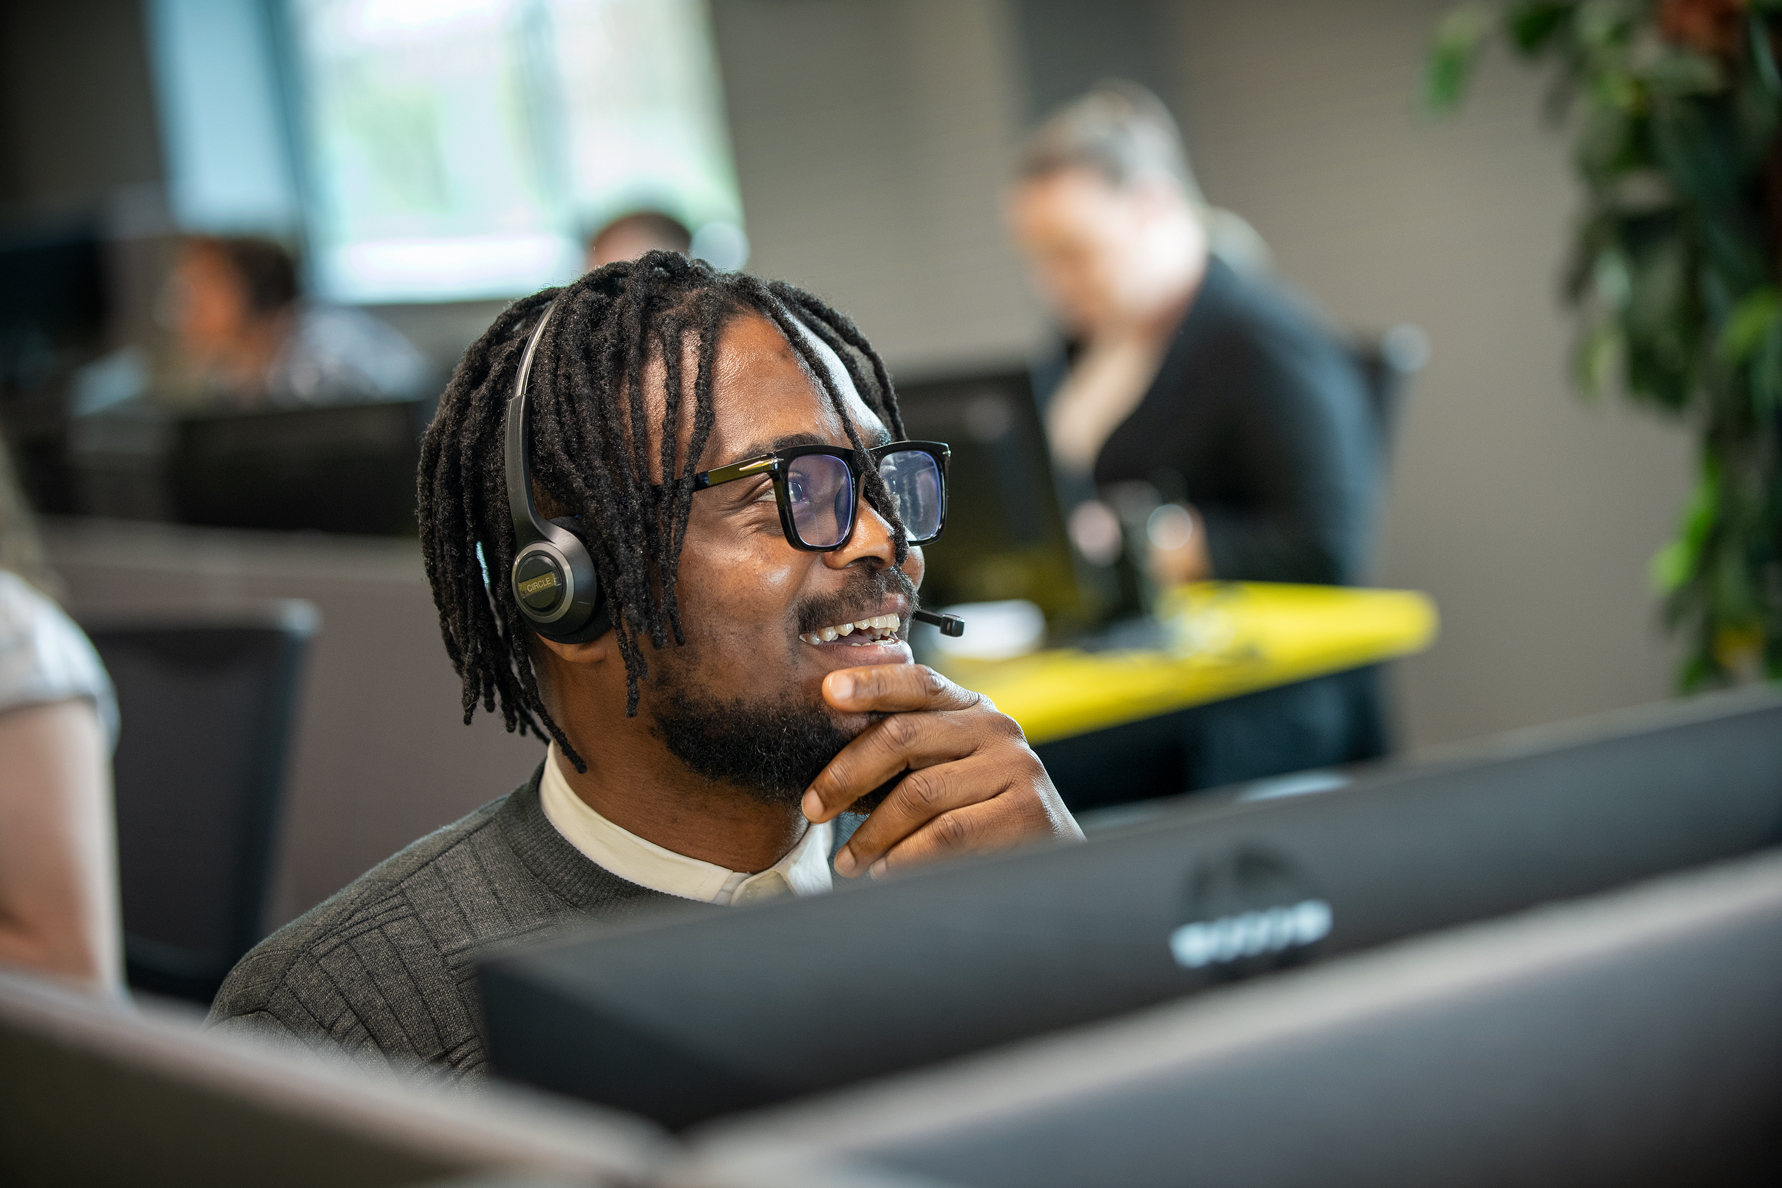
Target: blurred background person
1207,380
248,338
1211,389
631,235
58,722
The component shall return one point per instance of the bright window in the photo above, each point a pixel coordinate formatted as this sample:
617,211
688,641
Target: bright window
459,149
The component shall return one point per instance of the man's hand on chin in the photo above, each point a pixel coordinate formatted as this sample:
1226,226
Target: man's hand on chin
974,785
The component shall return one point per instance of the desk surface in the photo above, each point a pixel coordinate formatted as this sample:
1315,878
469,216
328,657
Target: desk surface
1223,639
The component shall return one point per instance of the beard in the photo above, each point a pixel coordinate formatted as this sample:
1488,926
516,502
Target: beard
769,748
771,751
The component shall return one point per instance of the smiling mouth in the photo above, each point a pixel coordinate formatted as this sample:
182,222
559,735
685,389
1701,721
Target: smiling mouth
860,633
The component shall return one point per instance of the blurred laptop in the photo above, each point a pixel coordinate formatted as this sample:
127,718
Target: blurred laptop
1006,538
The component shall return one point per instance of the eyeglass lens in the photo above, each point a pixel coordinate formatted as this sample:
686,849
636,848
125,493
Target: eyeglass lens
820,492
914,479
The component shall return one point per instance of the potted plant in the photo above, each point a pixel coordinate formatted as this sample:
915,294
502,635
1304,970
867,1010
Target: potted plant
1675,107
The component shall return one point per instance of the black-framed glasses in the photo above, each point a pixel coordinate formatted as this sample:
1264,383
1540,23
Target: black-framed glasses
817,488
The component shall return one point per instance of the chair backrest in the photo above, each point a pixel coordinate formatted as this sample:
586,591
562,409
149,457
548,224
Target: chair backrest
1387,364
206,702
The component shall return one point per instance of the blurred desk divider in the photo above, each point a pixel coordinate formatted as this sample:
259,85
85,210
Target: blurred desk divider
381,755
1628,1039
1218,640
101,1093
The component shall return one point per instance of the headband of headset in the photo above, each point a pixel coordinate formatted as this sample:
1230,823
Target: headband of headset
553,576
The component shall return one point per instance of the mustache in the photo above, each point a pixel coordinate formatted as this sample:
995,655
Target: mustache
866,588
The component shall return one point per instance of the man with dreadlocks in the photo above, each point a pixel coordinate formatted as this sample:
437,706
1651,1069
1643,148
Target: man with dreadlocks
756,685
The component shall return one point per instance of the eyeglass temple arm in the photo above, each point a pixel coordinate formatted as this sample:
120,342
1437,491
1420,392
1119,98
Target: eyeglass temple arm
732,472
951,625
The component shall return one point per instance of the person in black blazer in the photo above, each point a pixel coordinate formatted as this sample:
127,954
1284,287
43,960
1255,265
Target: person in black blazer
1260,421
1192,371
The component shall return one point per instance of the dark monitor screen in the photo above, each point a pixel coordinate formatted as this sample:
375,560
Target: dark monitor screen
1005,535
346,468
52,284
700,1017
1627,1039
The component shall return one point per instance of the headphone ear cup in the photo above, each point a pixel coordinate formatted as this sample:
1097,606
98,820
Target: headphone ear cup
556,586
589,620
543,584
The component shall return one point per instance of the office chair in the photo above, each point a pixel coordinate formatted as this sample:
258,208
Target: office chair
206,702
1387,364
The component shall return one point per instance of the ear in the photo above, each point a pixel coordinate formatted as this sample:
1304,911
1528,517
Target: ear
593,652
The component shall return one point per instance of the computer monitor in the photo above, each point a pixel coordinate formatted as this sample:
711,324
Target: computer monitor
710,1015
1005,536
52,290
101,1093
1629,1039
54,307
346,468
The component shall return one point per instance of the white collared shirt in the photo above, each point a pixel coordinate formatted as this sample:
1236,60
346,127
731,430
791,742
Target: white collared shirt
804,871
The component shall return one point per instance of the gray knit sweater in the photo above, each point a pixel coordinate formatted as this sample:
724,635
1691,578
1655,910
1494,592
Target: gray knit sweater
385,968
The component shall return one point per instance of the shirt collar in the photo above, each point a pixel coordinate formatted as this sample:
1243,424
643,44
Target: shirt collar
803,871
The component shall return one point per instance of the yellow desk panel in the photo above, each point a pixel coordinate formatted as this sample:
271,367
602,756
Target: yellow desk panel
1224,639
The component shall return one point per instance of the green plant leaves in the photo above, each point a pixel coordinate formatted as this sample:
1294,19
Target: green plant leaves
1763,54
1532,27
1679,561
1674,269
1458,41
1755,318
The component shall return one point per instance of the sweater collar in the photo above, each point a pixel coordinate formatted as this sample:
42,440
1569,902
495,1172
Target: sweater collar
562,868
803,871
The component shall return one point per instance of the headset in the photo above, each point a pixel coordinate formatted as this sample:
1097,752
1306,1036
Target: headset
553,575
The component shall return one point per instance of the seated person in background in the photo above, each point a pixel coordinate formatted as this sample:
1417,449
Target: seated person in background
1186,366
738,694
1209,381
631,235
247,338
58,852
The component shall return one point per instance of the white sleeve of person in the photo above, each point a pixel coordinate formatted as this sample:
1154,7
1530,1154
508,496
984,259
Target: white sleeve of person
45,658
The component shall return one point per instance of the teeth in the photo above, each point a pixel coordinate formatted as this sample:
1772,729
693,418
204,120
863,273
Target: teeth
872,630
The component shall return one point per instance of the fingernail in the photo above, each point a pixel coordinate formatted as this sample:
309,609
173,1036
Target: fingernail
845,863
878,869
842,687
811,806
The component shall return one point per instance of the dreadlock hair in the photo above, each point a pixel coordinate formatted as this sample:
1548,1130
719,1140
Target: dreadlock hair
591,456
